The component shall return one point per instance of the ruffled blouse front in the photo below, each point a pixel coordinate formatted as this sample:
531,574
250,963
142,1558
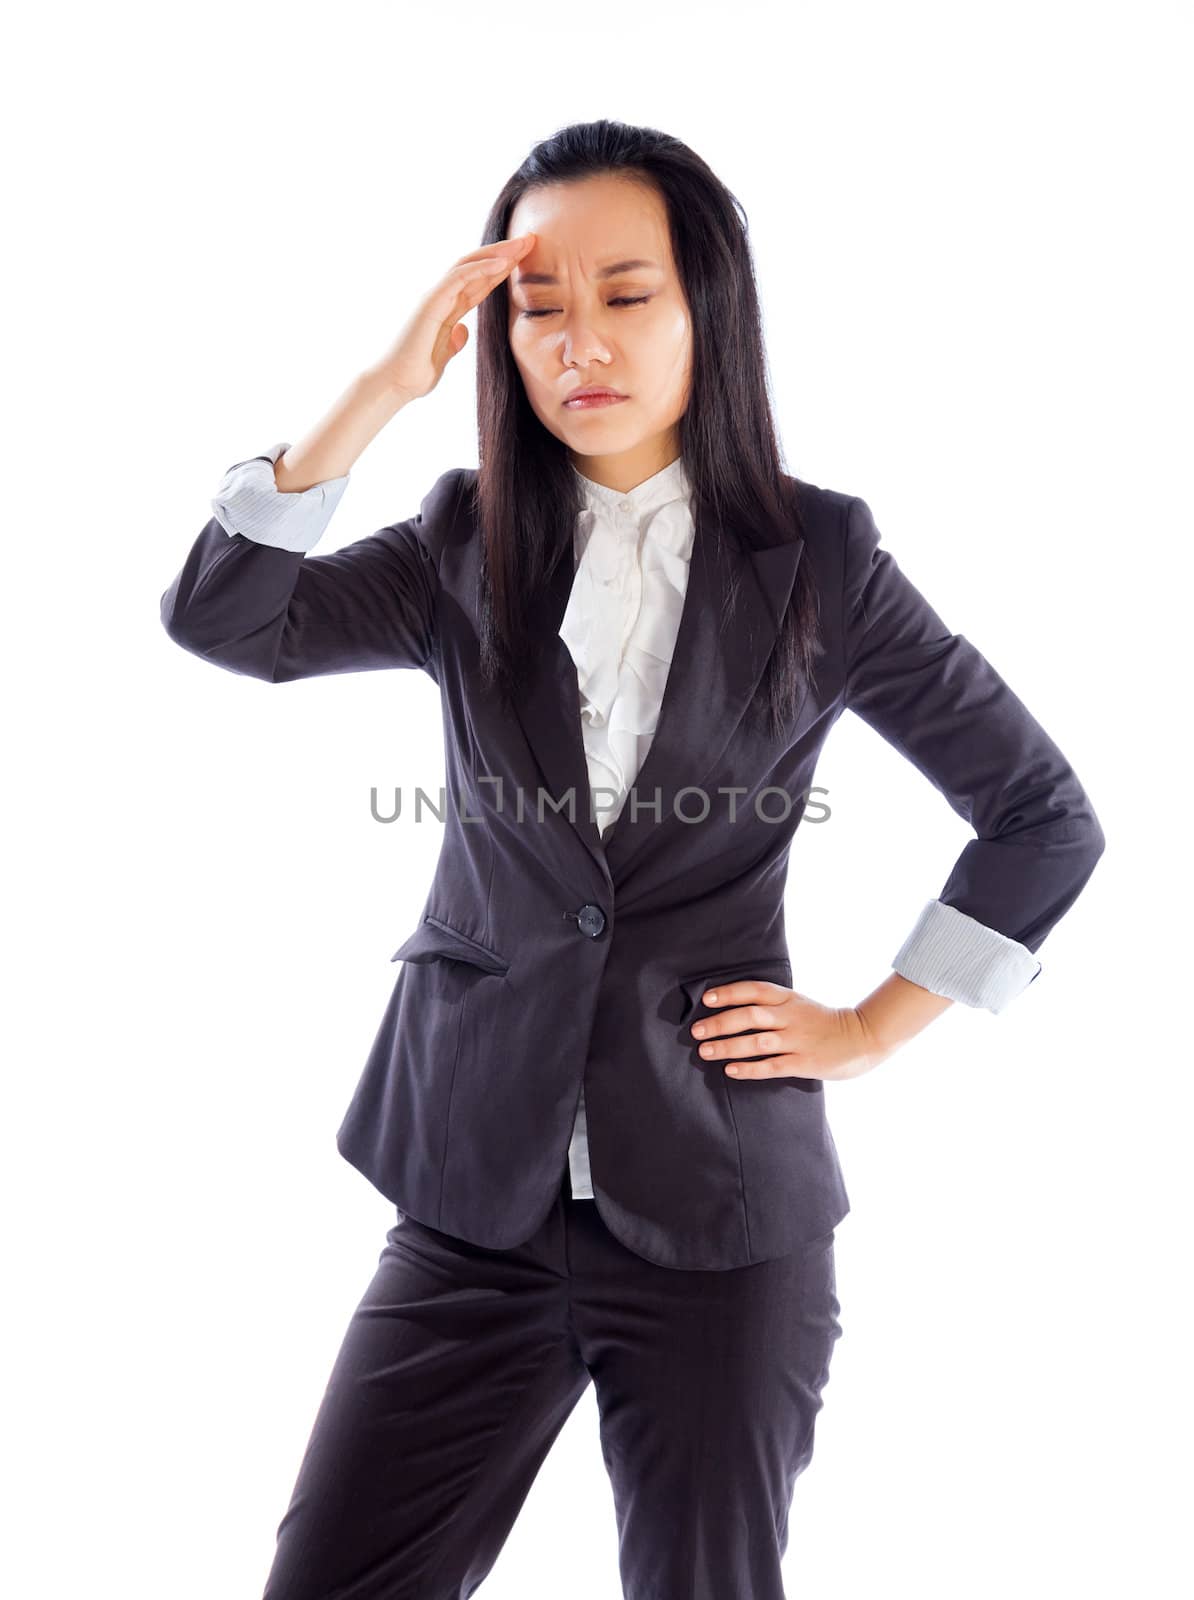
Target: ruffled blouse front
632,555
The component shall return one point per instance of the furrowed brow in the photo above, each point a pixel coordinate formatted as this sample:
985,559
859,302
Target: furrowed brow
603,272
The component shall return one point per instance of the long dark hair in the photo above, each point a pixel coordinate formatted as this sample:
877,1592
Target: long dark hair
527,498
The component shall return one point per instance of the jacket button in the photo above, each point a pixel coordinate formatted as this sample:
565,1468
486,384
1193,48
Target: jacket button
591,920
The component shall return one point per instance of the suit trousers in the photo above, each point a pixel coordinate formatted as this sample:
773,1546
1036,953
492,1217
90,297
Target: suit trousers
461,1364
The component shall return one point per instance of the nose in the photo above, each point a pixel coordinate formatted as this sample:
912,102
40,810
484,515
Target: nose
582,343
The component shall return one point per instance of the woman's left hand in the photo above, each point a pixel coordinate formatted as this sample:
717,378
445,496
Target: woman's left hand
799,1037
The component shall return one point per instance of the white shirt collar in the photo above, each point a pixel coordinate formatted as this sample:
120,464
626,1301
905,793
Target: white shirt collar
638,505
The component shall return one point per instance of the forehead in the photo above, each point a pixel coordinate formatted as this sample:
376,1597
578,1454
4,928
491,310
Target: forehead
599,227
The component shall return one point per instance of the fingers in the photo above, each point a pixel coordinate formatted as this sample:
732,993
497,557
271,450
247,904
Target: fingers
764,1006
479,271
469,281
506,250
779,1066
769,1041
742,992
766,1043
754,1001
429,339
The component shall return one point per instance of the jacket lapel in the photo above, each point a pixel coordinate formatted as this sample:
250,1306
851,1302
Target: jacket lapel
709,686
549,706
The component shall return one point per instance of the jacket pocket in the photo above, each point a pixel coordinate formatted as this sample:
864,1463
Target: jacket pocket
434,939
774,969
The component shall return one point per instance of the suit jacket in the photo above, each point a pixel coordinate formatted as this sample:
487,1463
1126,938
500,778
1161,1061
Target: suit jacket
547,957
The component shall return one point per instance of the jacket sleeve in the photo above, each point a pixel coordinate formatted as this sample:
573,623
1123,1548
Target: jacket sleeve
932,696
251,599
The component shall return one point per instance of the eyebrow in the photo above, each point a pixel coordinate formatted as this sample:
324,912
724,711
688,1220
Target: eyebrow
603,272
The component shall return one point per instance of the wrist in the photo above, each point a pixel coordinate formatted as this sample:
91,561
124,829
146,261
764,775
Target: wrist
382,391
897,1011
871,1045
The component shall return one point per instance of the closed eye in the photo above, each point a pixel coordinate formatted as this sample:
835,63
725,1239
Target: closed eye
622,300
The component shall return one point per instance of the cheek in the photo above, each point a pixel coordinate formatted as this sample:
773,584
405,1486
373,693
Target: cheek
525,369
682,343
527,352
670,354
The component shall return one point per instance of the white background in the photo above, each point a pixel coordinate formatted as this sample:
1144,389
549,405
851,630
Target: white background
968,232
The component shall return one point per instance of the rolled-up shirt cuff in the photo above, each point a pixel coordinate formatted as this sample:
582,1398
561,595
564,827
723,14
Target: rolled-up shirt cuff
248,501
959,957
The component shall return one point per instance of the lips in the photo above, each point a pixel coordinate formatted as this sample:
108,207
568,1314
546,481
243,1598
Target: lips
584,398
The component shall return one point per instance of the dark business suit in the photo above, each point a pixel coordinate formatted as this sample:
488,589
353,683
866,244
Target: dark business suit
546,956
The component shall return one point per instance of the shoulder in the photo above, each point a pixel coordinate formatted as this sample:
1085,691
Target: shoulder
447,507
822,512
444,518
831,522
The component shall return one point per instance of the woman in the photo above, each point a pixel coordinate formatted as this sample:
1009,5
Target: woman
595,1100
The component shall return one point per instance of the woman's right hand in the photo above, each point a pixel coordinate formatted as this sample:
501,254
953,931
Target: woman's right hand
434,333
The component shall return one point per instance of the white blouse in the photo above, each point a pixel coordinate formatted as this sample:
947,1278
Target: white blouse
632,552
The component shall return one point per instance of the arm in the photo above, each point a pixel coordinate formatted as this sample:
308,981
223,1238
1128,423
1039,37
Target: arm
286,497
250,599
932,696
